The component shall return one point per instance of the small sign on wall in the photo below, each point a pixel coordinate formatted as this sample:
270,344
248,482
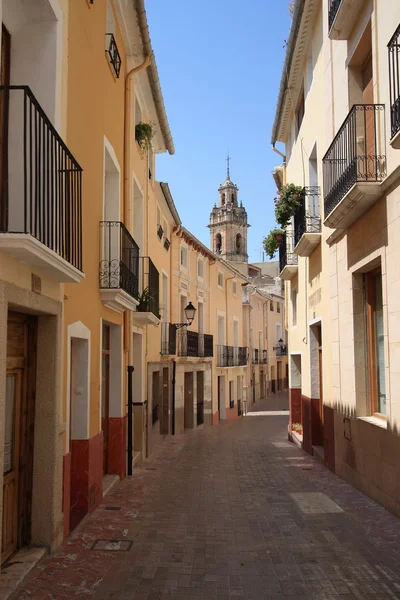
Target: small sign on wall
36,284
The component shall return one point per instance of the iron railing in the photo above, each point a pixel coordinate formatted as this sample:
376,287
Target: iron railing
356,155
167,244
332,12
119,266
194,344
255,357
281,351
149,300
394,81
113,54
168,339
286,255
232,356
41,191
160,231
307,216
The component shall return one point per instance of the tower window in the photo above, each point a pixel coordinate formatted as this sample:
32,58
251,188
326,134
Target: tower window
223,199
238,243
218,243
233,198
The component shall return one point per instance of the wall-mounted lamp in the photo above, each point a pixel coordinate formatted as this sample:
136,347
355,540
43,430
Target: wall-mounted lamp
190,312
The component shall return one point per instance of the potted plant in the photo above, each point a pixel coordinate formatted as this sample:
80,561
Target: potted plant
145,304
286,203
298,428
144,133
272,242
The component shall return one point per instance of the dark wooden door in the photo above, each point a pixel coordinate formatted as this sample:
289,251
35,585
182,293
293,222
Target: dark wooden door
261,384
188,401
279,376
200,397
19,432
4,105
164,426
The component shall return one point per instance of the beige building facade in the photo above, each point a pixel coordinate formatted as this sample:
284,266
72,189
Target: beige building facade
339,256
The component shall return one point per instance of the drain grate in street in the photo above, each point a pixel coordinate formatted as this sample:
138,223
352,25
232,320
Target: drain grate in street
112,545
112,508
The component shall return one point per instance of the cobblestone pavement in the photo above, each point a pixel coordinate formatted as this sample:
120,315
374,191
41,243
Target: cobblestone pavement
233,511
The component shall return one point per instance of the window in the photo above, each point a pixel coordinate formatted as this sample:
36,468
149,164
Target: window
271,306
220,280
278,307
234,288
184,257
218,244
294,307
376,342
200,268
300,110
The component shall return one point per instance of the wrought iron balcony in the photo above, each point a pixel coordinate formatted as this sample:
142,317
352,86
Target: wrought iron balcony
281,351
168,339
195,345
148,309
119,266
41,190
287,258
232,356
342,16
394,87
167,244
113,54
307,222
355,165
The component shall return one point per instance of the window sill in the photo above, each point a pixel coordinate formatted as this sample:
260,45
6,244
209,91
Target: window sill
373,420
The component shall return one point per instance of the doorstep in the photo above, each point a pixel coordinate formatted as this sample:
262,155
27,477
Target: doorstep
17,568
319,453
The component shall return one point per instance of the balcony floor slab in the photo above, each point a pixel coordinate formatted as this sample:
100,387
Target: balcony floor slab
145,318
358,200
307,244
118,300
35,254
288,272
345,19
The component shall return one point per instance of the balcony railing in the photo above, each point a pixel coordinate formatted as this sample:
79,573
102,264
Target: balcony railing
168,339
232,356
119,267
113,54
286,255
332,12
394,81
307,217
255,357
160,231
194,344
167,244
41,191
356,155
281,351
149,300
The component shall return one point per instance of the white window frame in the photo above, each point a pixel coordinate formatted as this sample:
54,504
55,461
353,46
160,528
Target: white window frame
200,261
234,288
184,268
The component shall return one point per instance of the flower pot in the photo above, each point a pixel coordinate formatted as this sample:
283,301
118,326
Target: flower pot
278,237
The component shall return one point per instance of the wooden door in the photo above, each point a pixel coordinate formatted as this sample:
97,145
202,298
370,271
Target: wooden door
164,426
19,432
200,397
11,464
279,376
105,393
4,104
188,401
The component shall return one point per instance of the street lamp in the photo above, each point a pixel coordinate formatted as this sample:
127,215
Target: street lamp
190,312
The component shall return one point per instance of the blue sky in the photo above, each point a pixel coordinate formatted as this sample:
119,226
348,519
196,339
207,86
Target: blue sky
220,64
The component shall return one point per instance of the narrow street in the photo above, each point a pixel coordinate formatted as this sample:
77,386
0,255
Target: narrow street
225,512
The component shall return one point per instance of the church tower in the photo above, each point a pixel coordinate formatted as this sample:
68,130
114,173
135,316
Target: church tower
228,224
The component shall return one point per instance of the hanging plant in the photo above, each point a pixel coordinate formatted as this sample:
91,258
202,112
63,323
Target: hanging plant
144,133
272,242
286,203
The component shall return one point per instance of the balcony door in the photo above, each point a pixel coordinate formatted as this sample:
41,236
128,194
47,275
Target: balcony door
370,121
4,99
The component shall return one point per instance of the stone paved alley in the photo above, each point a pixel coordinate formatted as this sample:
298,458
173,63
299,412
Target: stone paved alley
227,512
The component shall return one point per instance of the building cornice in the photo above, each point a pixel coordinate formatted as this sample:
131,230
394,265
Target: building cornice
293,67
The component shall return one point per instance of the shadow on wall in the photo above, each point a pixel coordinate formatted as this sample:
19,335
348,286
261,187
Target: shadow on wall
368,233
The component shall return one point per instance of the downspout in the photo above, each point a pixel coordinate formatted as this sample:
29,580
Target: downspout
278,152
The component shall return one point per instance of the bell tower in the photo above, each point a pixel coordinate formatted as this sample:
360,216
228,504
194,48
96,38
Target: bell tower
228,223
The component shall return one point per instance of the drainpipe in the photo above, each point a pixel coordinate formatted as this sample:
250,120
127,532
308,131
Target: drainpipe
278,152
173,395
